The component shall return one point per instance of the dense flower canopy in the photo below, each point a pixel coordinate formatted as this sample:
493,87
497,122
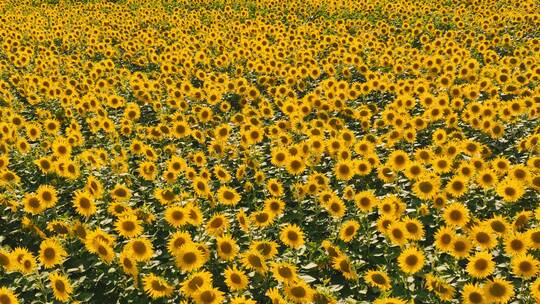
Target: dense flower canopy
272,151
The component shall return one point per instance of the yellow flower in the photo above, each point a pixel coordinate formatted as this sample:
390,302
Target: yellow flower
61,286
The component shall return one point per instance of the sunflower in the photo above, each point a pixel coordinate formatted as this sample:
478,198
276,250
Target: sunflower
486,178
516,244
217,224
5,260
242,300
121,193
61,286
201,187
440,287
510,190
51,253
156,287
295,165
481,265
499,225
348,230
378,279
274,205
189,257
228,196
398,160
344,265
83,202
128,226
165,196
534,236
140,248
457,186
499,291
397,233
344,170
196,282
226,247
390,300
253,260
47,195
299,292
336,207
292,236
473,294
268,249
207,295
426,187
103,249
411,260
128,263
284,272
235,279
456,214
525,266
32,204
482,236
460,247
535,289
262,219
177,240
415,228
176,216
7,296
365,200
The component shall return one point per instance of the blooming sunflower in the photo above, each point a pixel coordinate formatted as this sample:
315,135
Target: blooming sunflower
128,226
292,236
481,265
284,272
189,257
378,279
498,291
156,287
7,296
61,286
235,279
411,260
51,253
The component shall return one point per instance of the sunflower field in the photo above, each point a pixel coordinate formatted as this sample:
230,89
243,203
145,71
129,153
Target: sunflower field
269,151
